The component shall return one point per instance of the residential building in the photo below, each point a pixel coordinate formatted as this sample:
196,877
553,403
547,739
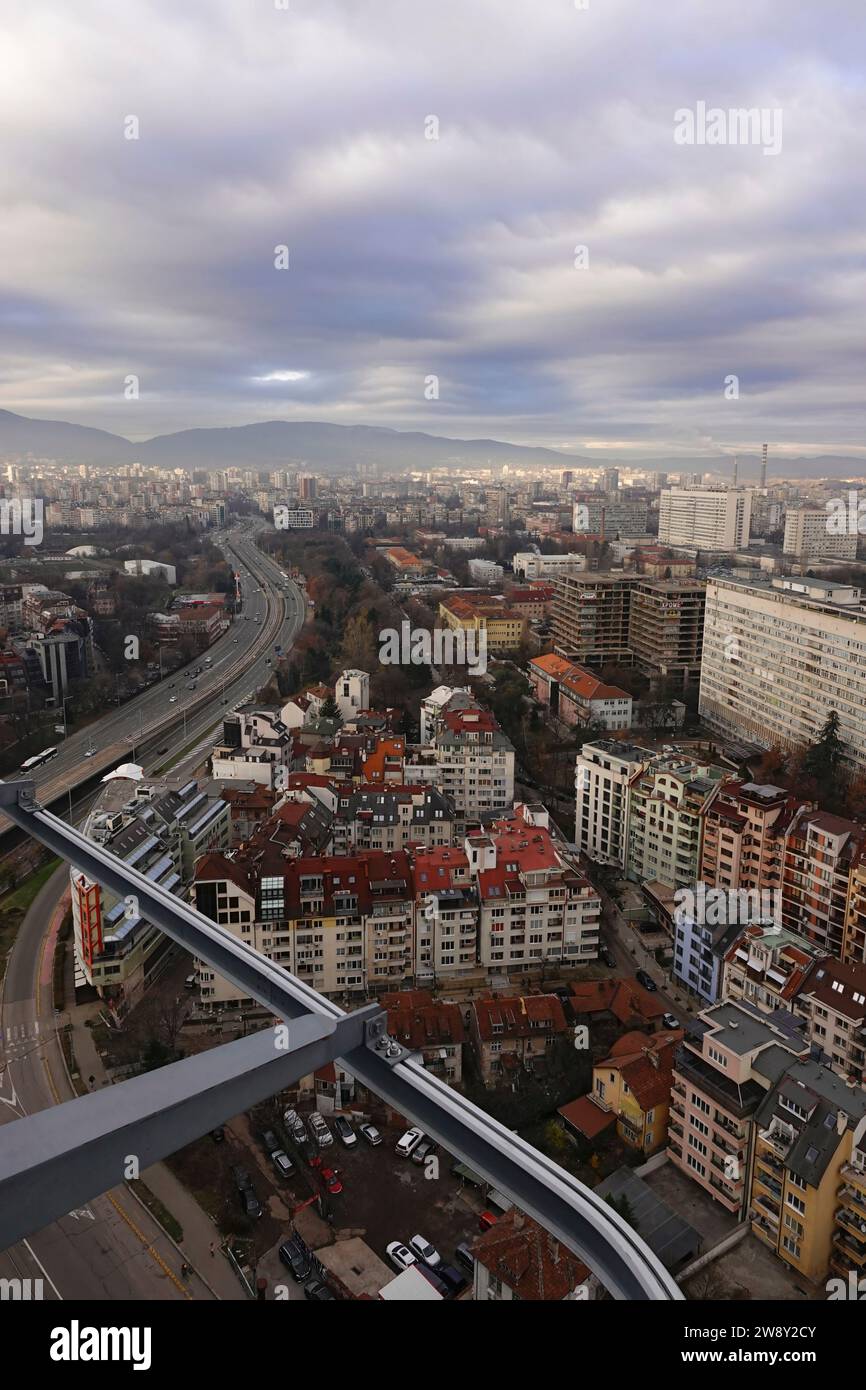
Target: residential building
705,518
577,696
633,1086
603,773
352,692
608,517
472,763
256,743
512,1035
743,843
848,1250
530,565
723,1069
446,915
667,801
808,536
806,1129
821,854
503,627
486,572
432,1027
536,907
666,629
832,1000
778,656
519,1260
768,966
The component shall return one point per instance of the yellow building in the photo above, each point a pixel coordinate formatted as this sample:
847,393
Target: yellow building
634,1085
805,1132
503,626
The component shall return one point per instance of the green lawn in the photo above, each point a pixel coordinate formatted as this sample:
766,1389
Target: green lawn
21,897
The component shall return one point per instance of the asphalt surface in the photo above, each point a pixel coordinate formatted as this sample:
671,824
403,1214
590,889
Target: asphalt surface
112,1248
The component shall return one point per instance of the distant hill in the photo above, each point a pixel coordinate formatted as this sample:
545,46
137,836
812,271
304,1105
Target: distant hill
323,447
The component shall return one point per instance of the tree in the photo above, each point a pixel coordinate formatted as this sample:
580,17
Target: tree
358,650
623,1207
823,760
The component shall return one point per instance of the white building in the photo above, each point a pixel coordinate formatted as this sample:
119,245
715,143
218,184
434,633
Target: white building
433,705
352,692
705,518
533,566
255,744
486,571
807,535
780,654
603,771
168,572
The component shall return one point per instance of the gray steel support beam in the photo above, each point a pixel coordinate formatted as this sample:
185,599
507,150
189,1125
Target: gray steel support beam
60,1158
586,1225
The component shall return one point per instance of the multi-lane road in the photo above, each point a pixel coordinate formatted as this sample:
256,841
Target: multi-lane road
113,1249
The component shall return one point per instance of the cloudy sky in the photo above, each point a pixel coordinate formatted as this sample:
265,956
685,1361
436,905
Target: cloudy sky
453,257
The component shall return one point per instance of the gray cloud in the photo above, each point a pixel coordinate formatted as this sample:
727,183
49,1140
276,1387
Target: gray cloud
454,257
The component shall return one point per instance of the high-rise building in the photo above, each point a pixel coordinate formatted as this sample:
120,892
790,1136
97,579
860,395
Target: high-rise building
603,771
779,655
705,518
807,535
306,487
629,619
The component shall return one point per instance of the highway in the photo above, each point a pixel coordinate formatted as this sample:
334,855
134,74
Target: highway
113,1248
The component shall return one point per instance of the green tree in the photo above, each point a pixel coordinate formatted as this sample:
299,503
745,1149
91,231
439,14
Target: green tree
823,760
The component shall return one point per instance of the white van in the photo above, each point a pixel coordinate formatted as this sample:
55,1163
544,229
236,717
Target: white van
191,981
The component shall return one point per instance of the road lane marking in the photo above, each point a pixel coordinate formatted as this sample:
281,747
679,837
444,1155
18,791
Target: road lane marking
148,1247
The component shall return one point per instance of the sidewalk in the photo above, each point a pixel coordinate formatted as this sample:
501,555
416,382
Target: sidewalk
199,1232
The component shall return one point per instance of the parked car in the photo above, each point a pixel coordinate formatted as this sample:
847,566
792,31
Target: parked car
299,1133
316,1290
241,1178
371,1134
455,1281
420,1151
332,1181
251,1204
671,1021
464,1256
644,978
408,1141
290,1117
608,957
400,1256
425,1251
319,1132
270,1141
345,1132
283,1164
296,1260
218,1134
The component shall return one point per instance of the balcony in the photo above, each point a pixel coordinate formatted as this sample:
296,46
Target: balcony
856,1249
762,1180
853,1200
776,1142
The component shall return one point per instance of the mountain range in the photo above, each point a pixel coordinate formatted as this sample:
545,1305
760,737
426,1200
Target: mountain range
323,447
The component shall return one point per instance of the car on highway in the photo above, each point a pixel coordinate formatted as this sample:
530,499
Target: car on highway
90,752
172,699
400,1255
644,978
371,1134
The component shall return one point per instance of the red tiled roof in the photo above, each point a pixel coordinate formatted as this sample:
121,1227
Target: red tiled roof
587,1117
533,1264
520,1017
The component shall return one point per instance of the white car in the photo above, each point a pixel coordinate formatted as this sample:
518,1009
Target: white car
423,1250
408,1142
172,699
671,1021
400,1256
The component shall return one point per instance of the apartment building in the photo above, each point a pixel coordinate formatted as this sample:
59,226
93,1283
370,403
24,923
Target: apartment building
504,628
512,1035
531,565
591,619
723,1069
806,1127
429,1026
609,517
446,915
705,518
854,947
821,854
744,835
778,656
255,743
807,536
848,1248
666,629
344,926
160,831
832,1000
473,763
535,906
391,817
667,802
603,772
767,967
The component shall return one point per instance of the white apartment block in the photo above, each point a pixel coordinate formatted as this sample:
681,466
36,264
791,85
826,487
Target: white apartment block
603,771
807,535
778,655
705,518
486,571
352,692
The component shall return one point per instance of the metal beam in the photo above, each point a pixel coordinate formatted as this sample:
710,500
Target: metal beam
586,1225
60,1158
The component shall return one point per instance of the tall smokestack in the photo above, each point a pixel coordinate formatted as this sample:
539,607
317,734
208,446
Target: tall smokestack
763,465
736,469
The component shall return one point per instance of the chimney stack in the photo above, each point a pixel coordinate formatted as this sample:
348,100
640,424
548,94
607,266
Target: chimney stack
763,465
